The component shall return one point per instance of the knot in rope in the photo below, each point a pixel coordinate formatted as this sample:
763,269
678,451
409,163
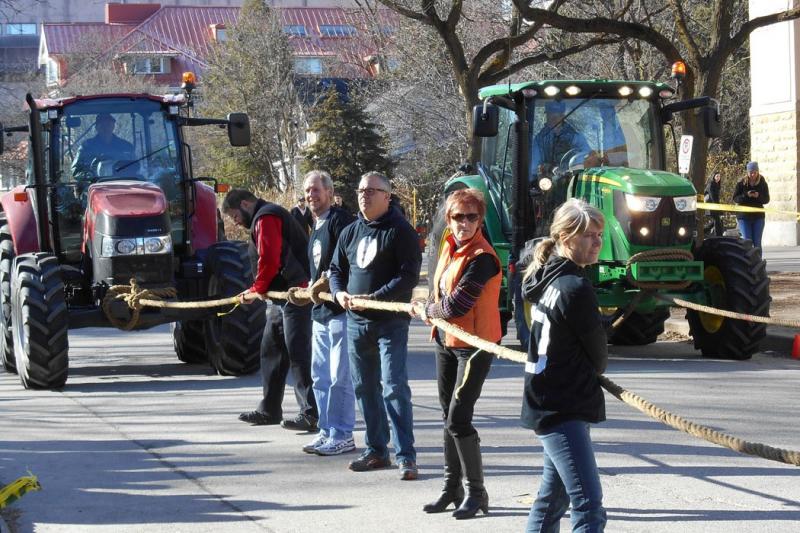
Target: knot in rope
663,254
132,295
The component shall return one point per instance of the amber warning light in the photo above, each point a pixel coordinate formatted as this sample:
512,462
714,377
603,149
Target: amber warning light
679,70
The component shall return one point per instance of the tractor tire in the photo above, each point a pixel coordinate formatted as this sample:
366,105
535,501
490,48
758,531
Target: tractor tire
187,338
233,340
6,264
640,329
736,280
40,322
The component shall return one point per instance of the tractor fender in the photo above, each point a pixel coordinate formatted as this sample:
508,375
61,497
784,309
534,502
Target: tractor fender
204,219
21,221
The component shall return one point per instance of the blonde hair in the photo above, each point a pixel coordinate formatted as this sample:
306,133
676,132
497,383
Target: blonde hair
572,218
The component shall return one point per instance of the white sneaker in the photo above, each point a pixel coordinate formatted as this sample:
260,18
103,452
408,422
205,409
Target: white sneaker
336,446
318,441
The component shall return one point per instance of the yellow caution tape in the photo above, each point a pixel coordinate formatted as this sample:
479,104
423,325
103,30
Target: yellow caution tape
16,489
744,209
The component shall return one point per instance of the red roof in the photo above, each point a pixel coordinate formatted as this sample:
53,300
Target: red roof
184,33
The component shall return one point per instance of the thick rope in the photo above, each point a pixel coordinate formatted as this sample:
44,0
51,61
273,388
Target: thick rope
730,314
133,296
670,419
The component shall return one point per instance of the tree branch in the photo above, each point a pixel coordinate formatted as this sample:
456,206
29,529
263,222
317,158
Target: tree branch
408,13
685,34
751,25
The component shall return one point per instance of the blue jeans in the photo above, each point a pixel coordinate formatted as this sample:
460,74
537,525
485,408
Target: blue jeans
378,353
751,229
569,476
330,372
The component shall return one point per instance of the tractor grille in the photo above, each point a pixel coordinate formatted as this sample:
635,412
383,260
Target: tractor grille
658,228
151,268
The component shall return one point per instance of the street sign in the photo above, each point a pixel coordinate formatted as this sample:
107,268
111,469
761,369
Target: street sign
685,154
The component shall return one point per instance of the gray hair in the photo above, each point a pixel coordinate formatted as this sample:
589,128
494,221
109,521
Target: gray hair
382,177
323,176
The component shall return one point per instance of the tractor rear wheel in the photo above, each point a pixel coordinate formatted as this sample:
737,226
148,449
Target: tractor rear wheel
736,280
640,328
233,340
6,264
40,321
187,338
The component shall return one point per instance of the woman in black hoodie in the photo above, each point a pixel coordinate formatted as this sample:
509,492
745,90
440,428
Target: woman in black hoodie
566,353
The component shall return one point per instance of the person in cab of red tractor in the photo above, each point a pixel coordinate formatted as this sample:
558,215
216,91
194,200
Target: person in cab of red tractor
466,290
103,154
278,253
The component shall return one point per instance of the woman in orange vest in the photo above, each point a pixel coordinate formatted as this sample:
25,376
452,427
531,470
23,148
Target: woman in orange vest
466,286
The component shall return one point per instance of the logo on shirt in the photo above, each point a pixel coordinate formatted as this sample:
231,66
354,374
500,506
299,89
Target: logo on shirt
316,252
366,252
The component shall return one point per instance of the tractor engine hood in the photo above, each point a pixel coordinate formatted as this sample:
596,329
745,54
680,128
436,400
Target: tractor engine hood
641,182
129,209
126,199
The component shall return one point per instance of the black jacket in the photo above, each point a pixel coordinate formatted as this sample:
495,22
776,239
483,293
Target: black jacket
380,258
712,191
294,270
321,246
740,196
567,349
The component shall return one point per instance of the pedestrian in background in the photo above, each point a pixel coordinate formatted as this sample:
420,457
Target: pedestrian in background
751,191
330,367
378,258
566,354
466,287
279,254
711,195
302,214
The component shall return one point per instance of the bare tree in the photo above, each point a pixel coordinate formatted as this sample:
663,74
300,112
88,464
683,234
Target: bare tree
706,39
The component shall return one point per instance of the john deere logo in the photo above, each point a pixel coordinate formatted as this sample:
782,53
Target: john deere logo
665,221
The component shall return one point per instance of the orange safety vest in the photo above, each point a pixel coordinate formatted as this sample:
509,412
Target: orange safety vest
483,319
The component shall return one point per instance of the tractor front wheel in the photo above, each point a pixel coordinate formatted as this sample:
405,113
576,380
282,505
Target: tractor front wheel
6,265
735,280
640,329
40,321
187,338
233,340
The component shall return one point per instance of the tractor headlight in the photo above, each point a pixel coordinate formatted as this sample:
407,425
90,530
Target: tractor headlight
646,204
112,247
685,203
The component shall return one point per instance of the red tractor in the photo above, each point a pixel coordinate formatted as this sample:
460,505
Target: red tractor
110,196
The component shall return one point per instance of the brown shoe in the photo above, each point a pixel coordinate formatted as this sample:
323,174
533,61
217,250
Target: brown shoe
369,461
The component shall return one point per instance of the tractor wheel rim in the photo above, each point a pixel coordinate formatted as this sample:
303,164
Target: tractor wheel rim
716,290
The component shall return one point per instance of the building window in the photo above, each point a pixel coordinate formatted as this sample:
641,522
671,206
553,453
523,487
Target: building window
21,29
221,35
336,30
150,65
308,65
51,72
296,30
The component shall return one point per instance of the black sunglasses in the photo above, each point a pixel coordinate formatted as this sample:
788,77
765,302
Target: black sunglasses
460,217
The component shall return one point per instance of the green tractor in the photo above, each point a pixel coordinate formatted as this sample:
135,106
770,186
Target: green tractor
604,141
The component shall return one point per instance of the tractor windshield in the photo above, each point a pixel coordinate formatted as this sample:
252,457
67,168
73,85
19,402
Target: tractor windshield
108,139
577,133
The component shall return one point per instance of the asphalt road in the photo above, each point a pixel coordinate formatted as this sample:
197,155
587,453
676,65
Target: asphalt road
140,442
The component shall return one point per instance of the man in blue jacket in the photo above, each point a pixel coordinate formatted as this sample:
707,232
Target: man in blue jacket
378,258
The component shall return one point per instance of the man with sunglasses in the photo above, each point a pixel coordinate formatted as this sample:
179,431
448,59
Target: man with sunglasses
378,258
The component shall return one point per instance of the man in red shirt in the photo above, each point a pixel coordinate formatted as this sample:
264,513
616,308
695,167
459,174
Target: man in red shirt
278,253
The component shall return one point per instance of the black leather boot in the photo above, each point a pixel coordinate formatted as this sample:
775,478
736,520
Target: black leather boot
453,491
469,451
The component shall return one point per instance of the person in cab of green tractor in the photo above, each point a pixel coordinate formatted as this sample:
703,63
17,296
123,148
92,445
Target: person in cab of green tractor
102,154
556,139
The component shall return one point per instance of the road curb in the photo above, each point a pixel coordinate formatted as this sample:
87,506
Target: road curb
778,341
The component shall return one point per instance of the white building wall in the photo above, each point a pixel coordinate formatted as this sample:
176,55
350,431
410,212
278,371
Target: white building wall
775,116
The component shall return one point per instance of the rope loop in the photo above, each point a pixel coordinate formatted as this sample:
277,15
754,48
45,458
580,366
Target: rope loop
662,254
132,295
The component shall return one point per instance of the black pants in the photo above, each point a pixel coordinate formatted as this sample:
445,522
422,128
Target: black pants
460,373
287,344
714,223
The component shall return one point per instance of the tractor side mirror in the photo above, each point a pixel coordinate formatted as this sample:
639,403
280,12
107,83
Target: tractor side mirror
73,122
485,120
239,129
712,124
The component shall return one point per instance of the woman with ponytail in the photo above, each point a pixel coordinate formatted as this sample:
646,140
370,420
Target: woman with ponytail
567,352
